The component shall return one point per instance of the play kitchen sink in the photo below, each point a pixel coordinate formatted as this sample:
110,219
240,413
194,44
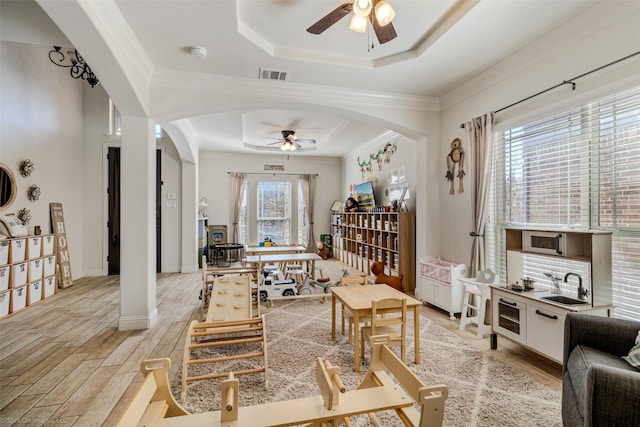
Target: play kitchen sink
561,299
535,317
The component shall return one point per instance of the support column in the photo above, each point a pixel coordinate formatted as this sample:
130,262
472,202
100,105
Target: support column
138,238
189,218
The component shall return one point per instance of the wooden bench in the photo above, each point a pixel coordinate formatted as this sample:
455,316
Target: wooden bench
153,400
289,297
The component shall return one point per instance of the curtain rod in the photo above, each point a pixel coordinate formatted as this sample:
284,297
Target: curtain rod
273,173
566,82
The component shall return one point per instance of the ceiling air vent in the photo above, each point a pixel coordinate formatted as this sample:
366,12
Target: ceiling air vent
265,74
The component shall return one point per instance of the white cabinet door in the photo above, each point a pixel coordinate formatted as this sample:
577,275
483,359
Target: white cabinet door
427,290
545,330
509,316
443,296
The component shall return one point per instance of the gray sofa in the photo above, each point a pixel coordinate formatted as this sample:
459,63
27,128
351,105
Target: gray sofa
599,388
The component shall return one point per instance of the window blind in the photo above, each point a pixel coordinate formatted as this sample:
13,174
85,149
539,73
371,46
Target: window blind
577,169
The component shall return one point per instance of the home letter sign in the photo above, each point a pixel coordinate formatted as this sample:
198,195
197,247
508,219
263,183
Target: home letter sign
64,264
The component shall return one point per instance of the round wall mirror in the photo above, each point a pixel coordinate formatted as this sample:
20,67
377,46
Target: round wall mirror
8,187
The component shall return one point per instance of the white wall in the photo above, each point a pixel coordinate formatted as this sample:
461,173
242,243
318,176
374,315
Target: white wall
599,36
404,156
42,120
61,124
214,184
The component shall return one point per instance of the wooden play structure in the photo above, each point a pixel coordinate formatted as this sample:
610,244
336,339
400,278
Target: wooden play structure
153,400
230,323
387,385
210,274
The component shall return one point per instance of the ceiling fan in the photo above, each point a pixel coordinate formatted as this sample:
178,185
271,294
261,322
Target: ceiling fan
290,142
379,12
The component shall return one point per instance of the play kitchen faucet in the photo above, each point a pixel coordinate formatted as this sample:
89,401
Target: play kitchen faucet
583,293
556,282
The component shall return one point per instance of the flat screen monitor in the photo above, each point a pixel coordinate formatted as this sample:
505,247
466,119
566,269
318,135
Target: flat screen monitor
365,196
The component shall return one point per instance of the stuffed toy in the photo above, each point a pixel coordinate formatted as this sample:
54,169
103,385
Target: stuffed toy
351,205
377,269
323,250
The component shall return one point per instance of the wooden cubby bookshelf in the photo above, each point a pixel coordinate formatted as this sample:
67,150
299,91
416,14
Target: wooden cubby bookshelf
361,238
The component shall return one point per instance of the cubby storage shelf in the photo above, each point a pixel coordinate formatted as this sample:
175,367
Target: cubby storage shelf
27,272
361,238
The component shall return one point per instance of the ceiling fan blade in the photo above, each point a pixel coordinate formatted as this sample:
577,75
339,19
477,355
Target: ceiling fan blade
308,141
331,18
384,34
277,142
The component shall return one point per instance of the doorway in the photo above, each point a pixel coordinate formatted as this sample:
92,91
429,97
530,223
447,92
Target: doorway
113,201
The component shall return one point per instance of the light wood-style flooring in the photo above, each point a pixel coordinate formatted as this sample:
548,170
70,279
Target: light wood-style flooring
63,360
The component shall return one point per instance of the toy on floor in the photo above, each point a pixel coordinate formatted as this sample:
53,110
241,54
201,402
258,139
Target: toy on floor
323,250
309,284
377,269
271,287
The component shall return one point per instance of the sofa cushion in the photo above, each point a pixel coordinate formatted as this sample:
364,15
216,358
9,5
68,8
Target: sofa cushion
581,360
633,358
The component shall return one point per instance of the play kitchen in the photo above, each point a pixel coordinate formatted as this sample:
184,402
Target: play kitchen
531,311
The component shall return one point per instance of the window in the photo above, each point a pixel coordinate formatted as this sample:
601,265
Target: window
115,122
578,169
274,211
266,211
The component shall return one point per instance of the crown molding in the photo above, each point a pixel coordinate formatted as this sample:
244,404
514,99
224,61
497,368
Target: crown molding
291,92
108,20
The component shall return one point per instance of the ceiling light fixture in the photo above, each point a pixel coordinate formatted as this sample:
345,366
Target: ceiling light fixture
384,13
362,9
78,69
288,146
358,23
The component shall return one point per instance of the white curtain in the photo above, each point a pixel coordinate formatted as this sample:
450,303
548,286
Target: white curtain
480,136
237,185
308,183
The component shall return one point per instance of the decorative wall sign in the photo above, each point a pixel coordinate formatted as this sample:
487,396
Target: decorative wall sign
274,168
382,156
33,193
59,230
26,167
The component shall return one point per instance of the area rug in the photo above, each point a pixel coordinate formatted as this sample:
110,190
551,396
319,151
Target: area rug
482,390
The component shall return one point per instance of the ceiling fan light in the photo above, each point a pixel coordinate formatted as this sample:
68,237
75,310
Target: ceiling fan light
358,24
288,146
362,8
384,13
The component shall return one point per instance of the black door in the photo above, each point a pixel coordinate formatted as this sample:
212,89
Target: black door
113,224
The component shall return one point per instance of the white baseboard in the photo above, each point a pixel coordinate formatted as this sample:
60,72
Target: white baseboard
189,268
133,323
